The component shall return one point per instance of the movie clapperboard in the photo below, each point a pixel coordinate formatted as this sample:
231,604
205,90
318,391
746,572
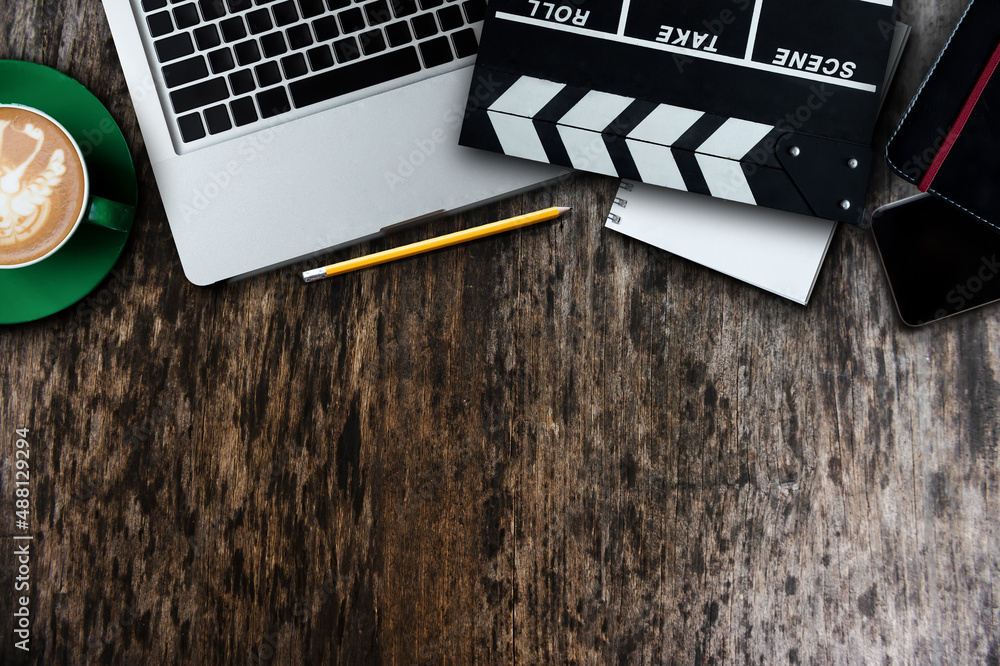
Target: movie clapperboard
766,102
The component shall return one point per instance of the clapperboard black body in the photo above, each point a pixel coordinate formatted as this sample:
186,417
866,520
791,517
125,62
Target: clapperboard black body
767,102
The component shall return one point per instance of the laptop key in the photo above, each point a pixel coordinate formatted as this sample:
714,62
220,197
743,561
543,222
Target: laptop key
430,4
273,44
403,8
311,8
273,102
475,10
242,82
326,28
268,74
186,16
198,95
212,9
233,29
217,119
436,52
349,78
346,49
372,42
174,47
352,20
207,37
153,5
398,33
285,13
377,13
299,37
334,5
191,127
184,72
159,24
450,18
465,43
294,66
244,112
221,60
424,26
247,52
259,21
320,57
239,5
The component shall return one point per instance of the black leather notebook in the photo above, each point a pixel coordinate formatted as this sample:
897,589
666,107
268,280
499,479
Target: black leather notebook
948,141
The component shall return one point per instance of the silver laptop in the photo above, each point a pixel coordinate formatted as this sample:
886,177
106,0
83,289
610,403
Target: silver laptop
279,129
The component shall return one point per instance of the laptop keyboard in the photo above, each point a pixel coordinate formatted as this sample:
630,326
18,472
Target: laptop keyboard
228,64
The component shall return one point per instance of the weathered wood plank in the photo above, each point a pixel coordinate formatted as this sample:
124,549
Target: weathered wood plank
555,446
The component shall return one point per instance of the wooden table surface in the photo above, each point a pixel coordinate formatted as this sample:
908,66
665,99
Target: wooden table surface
555,446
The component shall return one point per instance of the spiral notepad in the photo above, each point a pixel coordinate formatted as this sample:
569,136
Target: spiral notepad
780,252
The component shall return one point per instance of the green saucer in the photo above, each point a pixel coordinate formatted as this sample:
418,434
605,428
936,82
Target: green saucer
74,271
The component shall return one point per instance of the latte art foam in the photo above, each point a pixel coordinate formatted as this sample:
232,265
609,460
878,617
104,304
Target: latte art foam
42,185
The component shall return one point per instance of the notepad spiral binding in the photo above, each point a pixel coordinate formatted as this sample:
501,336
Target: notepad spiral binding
684,149
620,201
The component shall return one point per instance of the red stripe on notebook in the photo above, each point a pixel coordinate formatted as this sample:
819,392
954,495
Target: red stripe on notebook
963,118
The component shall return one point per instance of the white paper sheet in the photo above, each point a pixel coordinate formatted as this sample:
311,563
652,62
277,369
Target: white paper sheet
771,249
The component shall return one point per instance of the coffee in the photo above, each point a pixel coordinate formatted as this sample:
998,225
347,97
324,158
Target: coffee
43,185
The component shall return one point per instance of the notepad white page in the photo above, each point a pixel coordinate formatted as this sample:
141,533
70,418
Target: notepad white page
774,250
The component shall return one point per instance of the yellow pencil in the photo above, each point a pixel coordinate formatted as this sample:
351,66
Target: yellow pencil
432,244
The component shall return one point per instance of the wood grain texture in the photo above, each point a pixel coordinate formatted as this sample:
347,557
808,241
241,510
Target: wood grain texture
553,446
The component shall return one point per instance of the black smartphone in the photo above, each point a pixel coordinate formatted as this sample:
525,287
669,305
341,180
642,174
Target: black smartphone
940,260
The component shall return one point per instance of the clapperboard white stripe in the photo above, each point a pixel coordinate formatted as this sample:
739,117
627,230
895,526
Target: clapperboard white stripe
596,111
526,97
587,151
693,53
580,130
725,179
518,137
735,139
656,164
649,144
666,124
511,116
